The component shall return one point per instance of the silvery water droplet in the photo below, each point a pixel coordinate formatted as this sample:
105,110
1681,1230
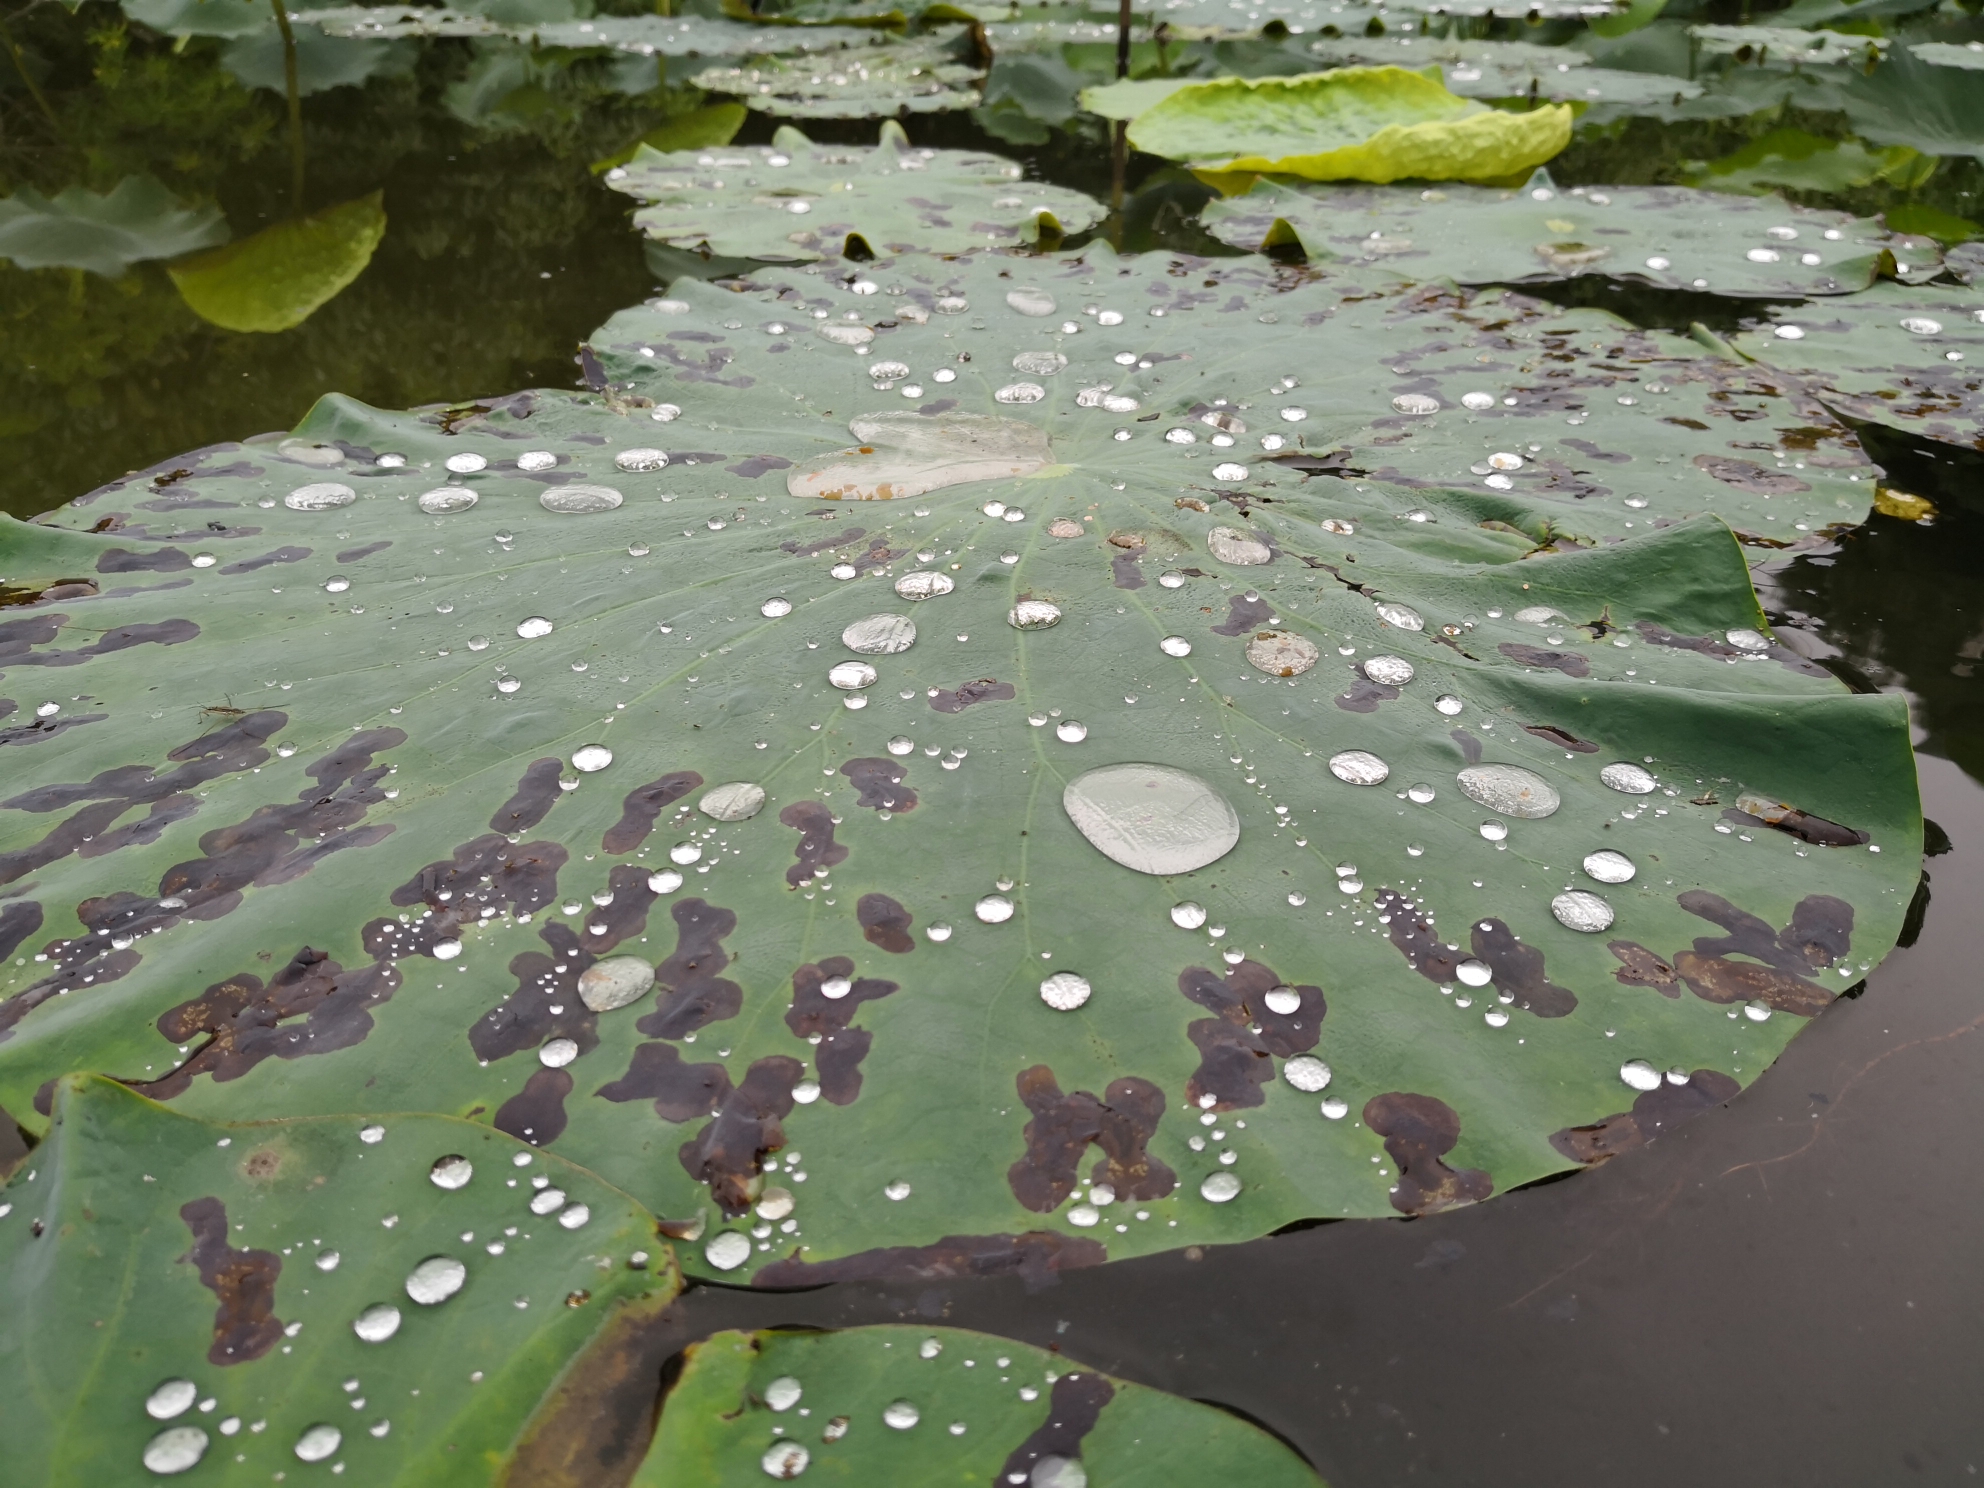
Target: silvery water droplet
1402,616
776,1202
1756,1010
1229,471
1639,1074
591,758
573,1215
924,584
446,500
1243,550
172,1397
478,643
783,1393
1033,614
1922,325
371,1134
532,461
1175,646
547,1201
1416,403
1609,867
665,882
684,853
1030,301
1628,779
1284,1000
1306,1073
953,305
327,1260
1580,910
1475,973
849,571
1495,1018
1064,991
1180,436
318,1442
1390,671
1358,767
775,608
806,1092
1419,794
377,1323
1171,579
727,1250
1748,640
852,676
451,1172
994,909
435,1280
1219,1187
1505,460
1039,363
740,800
558,1053
1495,831
175,1450
880,635
1069,731
902,744
579,501
1448,704
636,461
1152,819
1187,915
1021,392
1477,401
614,983
784,1460
531,628
939,932
1509,790
466,463
323,496
1282,653
1335,1109
836,988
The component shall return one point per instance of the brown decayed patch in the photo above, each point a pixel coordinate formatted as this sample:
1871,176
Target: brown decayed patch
813,549
880,784
1562,738
885,923
1035,1257
487,872
1655,1112
1820,932
1568,662
1235,1061
280,555
1806,827
1641,968
1072,1409
841,1048
41,730
1747,475
1244,615
18,921
680,1092
1062,1127
119,638
243,1283
984,690
159,560
691,994
1126,558
535,794
817,849
536,1114
1660,635
1519,970
729,1153
1717,979
1364,695
352,555
1419,1131
643,805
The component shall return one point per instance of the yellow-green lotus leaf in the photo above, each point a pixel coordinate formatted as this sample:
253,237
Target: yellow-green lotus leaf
279,277
1352,124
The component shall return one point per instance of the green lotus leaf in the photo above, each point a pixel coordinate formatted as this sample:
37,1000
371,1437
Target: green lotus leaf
395,22
1907,357
323,61
393,1295
279,277
1803,162
1662,235
1358,123
644,35
1786,46
797,200
136,220
202,17
845,970
1938,110
937,1405
1968,56
922,75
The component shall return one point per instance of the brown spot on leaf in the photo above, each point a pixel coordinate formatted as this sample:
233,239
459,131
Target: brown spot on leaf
885,923
1470,747
1519,970
243,1283
1035,1257
1057,1138
1419,1131
18,921
680,1092
880,784
809,550
1126,559
1243,615
1760,811
643,805
729,1153
536,1114
280,555
817,849
1747,475
1072,1409
1642,968
1718,979
1235,1061
159,560
352,555
841,1047
1568,662
1562,738
692,995
984,690
1656,1111
1364,695
119,638
536,792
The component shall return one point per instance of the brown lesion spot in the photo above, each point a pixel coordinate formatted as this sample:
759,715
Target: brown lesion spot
983,690
1570,663
692,995
1072,1411
1244,615
1655,1112
1778,964
885,923
1518,968
1419,1131
1238,1047
1036,1257
813,1013
243,1283
534,797
536,1114
680,1092
880,783
817,851
729,1153
1057,1139
643,806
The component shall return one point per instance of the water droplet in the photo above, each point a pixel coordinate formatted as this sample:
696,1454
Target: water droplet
558,1053
1390,671
1416,403
435,1280
1510,790
323,496
1475,973
579,501
1402,616
372,1134
466,463
1084,1215
1495,831
1187,915
1335,1109
994,909
1069,731
1229,471
1477,401
1639,1074
175,1449
615,982
1495,1018
1628,779
851,676
783,1393
1282,653
1220,1186
939,932
727,1250
450,1172
1756,1010
806,1092
849,571
591,758
1033,614
532,461
547,1201
1580,910
836,988
684,853
637,461
1419,794
1305,1072
327,1260
377,1323
1175,646
1448,704
1922,325
530,630
775,608
924,584
901,1414
1039,363
1358,767
1609,867
739,800
318,1442
880,635
1350,885
1064,991
170,1399
1243,550
1030,301
446,500
1748,640
1021,392
1152,819
784,1460
1285,1000
665,882
897,1191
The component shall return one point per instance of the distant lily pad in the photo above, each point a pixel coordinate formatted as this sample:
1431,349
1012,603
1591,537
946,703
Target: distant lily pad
1786,46
323,61
923,75
280,277
136,220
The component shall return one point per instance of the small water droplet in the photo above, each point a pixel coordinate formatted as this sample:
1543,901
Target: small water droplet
1389,671
1187,915
450,1172
327,1260
1475,973
1583,911
665,882
1069,731
591,758
1477,400
901,1414
1033,614
806,1092
939,932
923,584
175,1450
1282,653
371,1134
1418,403
1609,867
172,1397
1305,1072
852,676
377,1323
727,1250
1448,704
641,460
1495,831
558,1053
1640,1074
444,501
1286,1000
1220,1187
785,1460
994,909
773,609
1064,991
1922,325
1241,549
1419,794
1359,767
736,801
1756,1010
1628,779
435,1280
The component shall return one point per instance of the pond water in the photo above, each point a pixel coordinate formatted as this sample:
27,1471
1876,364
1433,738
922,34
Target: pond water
1782,1292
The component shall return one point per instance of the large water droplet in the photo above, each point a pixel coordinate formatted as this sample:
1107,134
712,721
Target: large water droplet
1021,392
1509,790
1187,915
1640,1074
994,909
1417,403
435,1280
1307,1073
901,1414
902,744
1359,767
451,1172
615,982
1039,363
727,1250
1064,991
1475,973
1033,614
1175,646
1495,831
685,853
532,461
377,1323
1242,549
175,1449
665,882
783,1393
1477,400
926,584
1609,867
1583,911
1282,653
1402,616
880,635
1756,1010
1922,325
1390,671
1448,704
1284,1000
1227,470
170,1399
1220,1186
1419,794
579,501
775,608
1058,1472
1028,300
852,676
1070,731
534,627
318,1442
784,1460
1151,818
637,461
446,500
573,1216
547,1201
737,801
558,1053
323,496
1628,779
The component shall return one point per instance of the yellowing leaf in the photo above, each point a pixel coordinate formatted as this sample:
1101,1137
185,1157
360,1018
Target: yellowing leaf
278,278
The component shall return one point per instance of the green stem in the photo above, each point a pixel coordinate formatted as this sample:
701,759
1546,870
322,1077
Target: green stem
1123,39
295,107
34,88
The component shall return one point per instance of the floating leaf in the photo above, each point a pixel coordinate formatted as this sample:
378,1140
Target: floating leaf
641,35
1785,46
1907,101
1358,123
323,61
924,75
794,199
1967,55
136,220
1804,162
699,129
202,17
937,1405
279,277
1662,235
394,1294
895,1006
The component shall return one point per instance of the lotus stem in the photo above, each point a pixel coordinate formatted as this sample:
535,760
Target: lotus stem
295,107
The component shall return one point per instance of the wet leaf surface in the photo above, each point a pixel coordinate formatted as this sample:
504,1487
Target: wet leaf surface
924,75
136,220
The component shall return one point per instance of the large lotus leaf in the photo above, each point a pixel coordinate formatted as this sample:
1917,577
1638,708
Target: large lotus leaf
1357,123
395,22
644,35
1804,162
924,75
323,61
136,220
937,1405
868,1020
1661,235
1909,101
1967,55
1909,357
201,17
794,199
392,1295
1785,46
279,278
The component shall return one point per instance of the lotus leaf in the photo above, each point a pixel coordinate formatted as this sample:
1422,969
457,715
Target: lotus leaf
479,672
392,1294
1967,55
280,277
1662,235
1804,162
797,200
1908,101
136,220
1359,123
1514,69
938,1405
323,61
643,35
201,17
923,75
1784,46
